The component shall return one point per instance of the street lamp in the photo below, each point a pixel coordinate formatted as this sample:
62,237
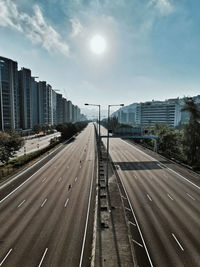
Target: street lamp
99,139
107,158
86,104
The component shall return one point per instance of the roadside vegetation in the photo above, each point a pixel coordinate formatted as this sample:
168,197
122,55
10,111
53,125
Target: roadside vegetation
69,129
9,144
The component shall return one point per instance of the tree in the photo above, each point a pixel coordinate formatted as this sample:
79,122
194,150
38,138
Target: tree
36,129
45,128
9,144
168,139
192,108
191,137
69,129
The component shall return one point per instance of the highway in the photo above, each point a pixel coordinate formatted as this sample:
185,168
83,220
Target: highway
47,220
165,204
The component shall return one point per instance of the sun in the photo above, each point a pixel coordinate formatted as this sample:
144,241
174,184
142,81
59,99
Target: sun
98,44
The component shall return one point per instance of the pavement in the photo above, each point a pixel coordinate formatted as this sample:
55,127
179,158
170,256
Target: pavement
46,220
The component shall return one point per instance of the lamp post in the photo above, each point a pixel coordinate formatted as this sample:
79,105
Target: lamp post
107,158
99,139
99,106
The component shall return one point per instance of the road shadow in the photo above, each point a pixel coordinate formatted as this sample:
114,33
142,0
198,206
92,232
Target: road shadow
138,165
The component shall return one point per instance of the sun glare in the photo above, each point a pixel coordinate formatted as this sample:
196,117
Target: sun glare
98,44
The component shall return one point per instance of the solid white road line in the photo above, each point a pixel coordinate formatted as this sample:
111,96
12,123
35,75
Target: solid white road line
76,179
170,197
45,252
190,196
1,263
131,223
86,224
43,203
147,252
66,202
160,166
21,203
149,197
137,243
177,242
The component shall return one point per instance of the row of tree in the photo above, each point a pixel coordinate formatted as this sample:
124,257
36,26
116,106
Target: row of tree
44,128
69,129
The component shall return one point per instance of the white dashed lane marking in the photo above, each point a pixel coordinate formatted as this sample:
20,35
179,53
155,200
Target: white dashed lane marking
1,263
21,203
43,203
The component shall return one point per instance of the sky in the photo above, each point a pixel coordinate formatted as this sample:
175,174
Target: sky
152,47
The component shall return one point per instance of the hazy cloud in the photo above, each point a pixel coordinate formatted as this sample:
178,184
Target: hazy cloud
165,7
34,27
77,27
9,15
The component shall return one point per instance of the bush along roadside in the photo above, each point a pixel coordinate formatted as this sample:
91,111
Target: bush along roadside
16,164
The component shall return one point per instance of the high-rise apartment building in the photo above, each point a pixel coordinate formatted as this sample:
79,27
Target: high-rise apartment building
44,103
34,102
54,107
25,102
25,98
69,110
78,114
64,105
59,108
9,95
49,104
73,113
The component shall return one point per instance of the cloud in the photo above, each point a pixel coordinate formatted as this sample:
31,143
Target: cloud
9,15
77,27
34,27
165,7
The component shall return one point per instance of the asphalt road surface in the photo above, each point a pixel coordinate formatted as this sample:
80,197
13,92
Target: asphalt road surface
166,206
45,221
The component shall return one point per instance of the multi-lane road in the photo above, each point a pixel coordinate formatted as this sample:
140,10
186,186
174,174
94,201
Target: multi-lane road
166,206
46,220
